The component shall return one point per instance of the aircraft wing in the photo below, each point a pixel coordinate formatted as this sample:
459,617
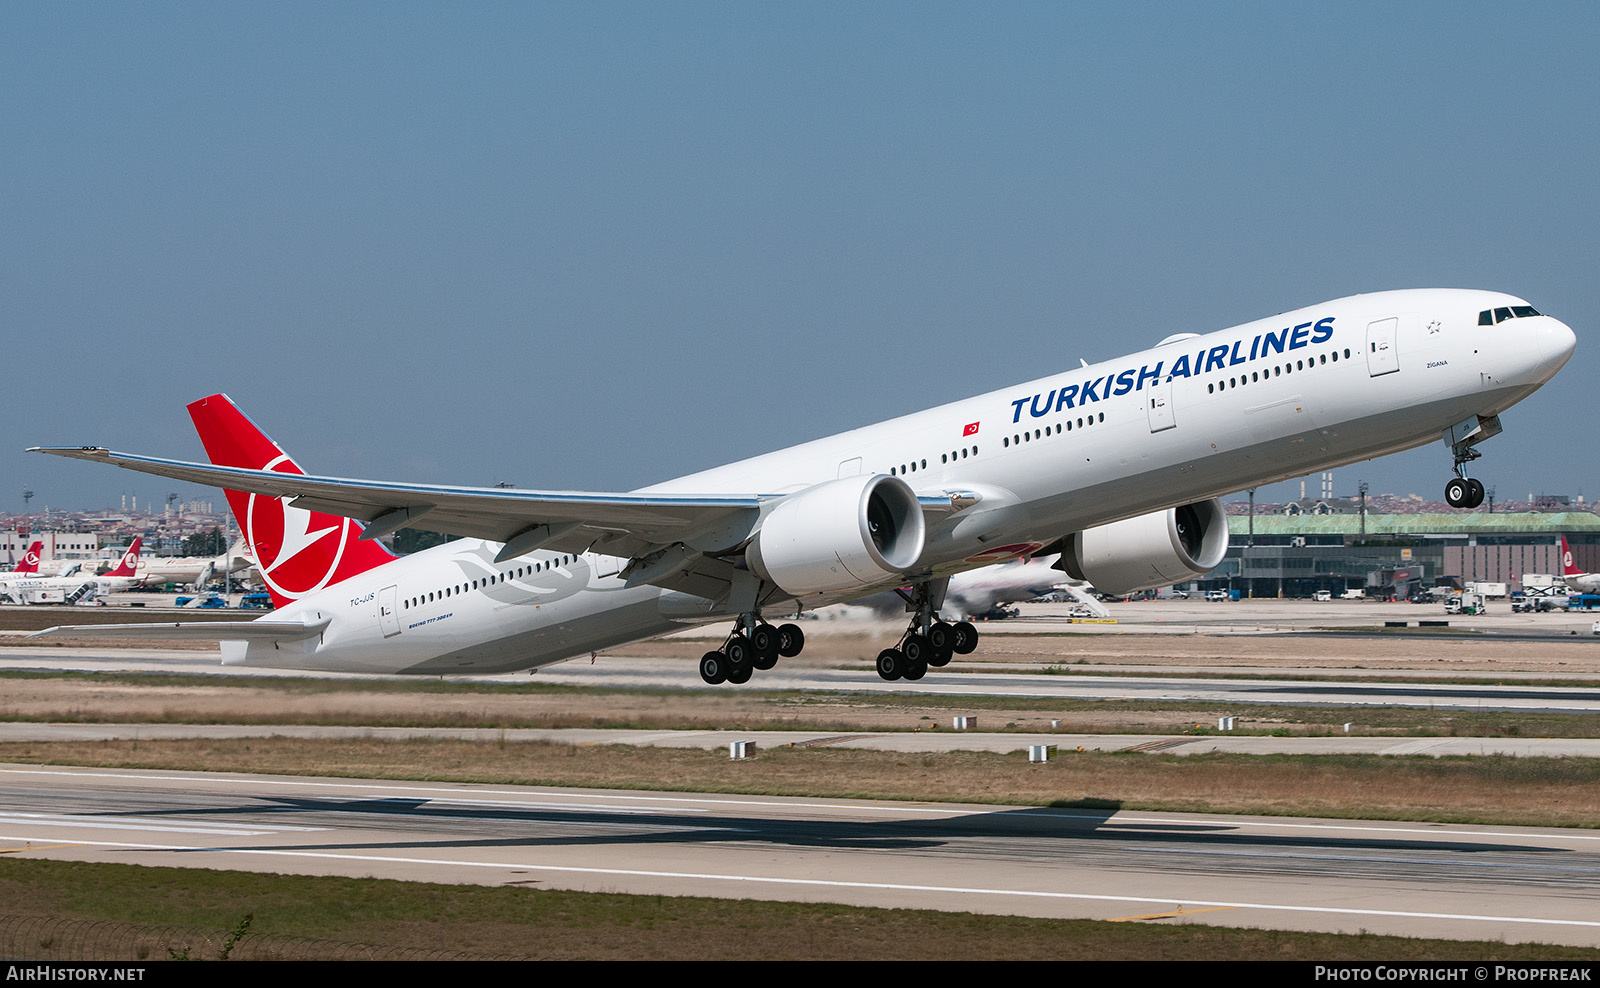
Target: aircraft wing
570,521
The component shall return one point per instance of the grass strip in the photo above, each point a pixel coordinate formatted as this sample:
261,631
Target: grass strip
558,925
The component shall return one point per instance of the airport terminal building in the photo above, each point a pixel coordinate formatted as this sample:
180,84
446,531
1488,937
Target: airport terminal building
1298,553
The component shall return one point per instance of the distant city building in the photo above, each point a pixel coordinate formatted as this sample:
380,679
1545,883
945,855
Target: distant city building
57,545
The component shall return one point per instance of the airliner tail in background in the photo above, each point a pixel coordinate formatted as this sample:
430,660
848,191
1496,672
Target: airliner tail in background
30,560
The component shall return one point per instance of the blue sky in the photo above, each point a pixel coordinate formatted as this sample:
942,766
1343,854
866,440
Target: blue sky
597,245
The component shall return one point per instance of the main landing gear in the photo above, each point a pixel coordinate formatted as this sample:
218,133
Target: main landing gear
929,641
753,644
932,645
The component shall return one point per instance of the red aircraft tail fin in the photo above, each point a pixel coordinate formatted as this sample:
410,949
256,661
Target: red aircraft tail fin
30,559
1567,566
129,566
297,551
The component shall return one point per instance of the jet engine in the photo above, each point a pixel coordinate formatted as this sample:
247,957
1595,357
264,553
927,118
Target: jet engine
839,535
1154,550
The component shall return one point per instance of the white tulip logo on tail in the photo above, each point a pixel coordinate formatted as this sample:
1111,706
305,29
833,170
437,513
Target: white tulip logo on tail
278,534
296,550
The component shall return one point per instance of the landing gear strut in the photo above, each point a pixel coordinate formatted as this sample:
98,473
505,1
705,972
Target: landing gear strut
753,644
1463,491
929,641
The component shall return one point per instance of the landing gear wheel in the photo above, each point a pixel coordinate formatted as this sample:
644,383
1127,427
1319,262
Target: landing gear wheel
891,664
790,640
1463,492
739,675
917,651
965,639
714,668
764,645
915,670
739,652
942,637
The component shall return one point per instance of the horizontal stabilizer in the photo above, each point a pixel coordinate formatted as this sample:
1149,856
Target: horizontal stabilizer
197,631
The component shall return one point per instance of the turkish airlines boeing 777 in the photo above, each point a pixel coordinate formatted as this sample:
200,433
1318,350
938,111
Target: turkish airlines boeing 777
1116,466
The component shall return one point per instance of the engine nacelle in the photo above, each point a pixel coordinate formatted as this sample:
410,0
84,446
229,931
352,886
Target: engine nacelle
841,534
1154,550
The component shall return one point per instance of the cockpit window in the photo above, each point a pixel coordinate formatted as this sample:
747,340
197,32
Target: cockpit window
1488,317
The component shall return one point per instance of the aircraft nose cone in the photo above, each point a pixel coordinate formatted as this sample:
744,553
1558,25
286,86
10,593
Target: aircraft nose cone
1556,343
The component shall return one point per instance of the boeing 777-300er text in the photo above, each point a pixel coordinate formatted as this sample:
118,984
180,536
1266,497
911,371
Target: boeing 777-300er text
1116,466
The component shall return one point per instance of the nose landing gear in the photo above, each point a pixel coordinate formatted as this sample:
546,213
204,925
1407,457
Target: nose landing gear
1464,491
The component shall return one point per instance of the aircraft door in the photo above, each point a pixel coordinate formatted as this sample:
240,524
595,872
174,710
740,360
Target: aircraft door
388,614
1158,402
1382,355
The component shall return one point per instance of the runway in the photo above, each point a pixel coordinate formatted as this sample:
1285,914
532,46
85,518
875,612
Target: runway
619,672
1519,884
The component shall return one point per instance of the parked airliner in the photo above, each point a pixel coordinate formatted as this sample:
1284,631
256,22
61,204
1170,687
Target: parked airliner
195,570
1575,578
35,589
1116,466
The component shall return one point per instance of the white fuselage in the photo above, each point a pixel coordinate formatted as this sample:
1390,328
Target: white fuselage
54,589
180,569
1194,418
1583,582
